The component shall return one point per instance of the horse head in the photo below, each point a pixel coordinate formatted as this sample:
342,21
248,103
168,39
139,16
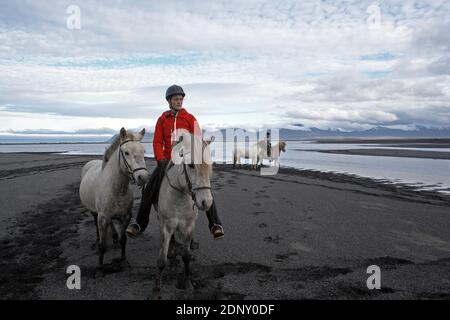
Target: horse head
195,154
132,152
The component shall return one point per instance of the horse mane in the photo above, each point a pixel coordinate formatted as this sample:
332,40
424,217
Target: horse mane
203,168
114,145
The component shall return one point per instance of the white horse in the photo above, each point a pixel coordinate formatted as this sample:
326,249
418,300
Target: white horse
185,188
257,152
246,153
105,191
275,152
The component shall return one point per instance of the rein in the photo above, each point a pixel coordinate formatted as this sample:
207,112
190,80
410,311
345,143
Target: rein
130,171
191,189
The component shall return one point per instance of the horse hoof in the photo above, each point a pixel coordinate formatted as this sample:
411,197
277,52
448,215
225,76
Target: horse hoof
99,273
185,284
188,286
124,264
156,294
173,262
194,245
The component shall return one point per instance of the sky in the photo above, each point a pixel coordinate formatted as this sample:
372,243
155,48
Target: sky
91,67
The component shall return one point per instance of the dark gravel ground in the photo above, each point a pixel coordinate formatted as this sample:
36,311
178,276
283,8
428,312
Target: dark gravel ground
295,235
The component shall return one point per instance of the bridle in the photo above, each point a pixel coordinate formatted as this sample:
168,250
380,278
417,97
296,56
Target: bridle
191,189
130,171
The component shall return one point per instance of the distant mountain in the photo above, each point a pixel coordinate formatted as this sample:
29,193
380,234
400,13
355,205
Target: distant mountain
285,134
376,132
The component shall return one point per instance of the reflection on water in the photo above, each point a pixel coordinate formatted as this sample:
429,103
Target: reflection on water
428,174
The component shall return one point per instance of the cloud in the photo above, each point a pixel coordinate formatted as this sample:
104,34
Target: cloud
440,66
99,131
244,64
329,114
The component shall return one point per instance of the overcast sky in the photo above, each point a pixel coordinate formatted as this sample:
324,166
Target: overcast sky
329,64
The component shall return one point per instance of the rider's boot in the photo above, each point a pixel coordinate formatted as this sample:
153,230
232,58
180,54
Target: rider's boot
215,225
149,194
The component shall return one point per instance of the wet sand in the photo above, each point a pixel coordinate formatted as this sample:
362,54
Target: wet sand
297,235
436,142
390,153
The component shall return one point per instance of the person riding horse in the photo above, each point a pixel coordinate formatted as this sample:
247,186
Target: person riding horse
175,118
269,144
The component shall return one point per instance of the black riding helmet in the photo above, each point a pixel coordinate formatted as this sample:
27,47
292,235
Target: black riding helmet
174,90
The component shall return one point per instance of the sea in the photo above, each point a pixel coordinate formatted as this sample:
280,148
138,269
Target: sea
423,174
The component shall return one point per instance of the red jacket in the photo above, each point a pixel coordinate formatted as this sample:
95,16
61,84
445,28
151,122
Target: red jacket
162,138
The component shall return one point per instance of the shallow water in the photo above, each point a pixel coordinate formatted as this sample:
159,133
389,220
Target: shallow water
426,174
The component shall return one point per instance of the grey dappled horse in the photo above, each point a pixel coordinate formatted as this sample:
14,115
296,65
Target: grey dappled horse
105,188
185,188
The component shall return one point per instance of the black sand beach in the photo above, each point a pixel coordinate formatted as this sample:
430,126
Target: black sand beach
391,153
295,235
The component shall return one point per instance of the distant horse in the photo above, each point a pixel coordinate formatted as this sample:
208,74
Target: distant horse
185,188
246,153
105,191
258,152
275,152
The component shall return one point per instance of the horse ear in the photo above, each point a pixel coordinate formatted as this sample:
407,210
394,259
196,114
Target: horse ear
179,140
142,133
123,133
210,140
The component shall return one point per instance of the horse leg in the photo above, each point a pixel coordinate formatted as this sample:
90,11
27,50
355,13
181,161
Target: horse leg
172,253
166,235
103,225
194,244
95,216
124,222
115,236
255,162
186,256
